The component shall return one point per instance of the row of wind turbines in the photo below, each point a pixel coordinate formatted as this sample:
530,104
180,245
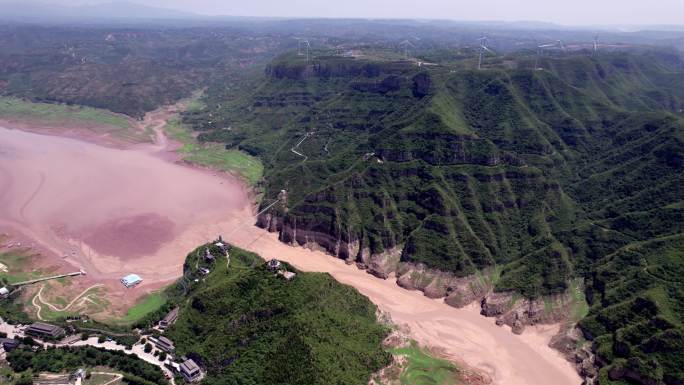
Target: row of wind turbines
483,48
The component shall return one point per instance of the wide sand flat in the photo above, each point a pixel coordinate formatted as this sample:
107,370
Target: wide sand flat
110,211
114,212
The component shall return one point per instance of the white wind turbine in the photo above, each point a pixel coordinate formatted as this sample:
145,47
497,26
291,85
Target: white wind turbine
406,44
483,48
596,44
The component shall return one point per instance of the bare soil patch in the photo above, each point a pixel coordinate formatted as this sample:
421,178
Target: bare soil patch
132,236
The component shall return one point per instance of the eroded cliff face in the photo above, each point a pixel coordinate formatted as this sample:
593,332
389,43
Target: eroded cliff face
509,308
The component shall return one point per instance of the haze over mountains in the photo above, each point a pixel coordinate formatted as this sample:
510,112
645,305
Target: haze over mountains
28,11
131,10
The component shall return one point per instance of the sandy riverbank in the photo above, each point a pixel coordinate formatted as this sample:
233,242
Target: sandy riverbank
117,211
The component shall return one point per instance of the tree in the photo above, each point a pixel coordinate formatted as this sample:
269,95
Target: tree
148,347
25,379
162,356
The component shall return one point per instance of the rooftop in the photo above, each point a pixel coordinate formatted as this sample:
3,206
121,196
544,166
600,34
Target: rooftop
171,316
131,279
189,366
43,328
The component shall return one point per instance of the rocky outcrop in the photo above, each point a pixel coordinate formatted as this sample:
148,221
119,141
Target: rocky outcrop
383,264
570,342
456,291
517,312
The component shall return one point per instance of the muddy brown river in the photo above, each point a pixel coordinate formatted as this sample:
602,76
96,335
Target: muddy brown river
119,211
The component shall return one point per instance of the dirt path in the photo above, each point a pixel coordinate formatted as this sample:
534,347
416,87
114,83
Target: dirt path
117,377
40,299
38,308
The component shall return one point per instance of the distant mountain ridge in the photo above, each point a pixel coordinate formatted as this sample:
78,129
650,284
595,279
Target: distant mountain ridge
33,11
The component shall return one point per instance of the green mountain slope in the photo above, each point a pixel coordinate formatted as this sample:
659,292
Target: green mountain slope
547,174
247,325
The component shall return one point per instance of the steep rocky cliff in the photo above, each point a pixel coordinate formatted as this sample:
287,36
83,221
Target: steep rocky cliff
500,186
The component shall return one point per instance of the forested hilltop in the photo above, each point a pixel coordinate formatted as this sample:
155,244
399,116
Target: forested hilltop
526,177
247,324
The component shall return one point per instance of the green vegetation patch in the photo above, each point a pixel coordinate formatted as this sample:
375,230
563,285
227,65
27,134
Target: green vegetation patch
16,108
214,155
145,306
51,114
422,368
16,263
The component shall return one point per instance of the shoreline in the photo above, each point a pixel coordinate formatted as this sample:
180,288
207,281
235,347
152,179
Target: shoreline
462,334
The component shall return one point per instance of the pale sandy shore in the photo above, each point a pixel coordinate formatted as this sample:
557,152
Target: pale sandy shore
115,211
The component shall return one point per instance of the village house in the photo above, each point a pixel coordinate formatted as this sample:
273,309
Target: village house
208,256
9,344
4,292
169,318
40,329
190,371
164,344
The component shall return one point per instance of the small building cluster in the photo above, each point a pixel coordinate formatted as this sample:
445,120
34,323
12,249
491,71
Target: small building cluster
131,280
276,266
40,329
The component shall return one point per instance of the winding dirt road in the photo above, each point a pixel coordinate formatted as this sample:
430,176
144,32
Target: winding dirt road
40,299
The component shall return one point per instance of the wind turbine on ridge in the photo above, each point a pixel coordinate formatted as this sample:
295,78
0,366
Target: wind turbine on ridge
596,44
483,48
406,44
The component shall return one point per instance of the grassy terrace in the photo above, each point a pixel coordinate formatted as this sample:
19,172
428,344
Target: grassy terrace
214,155
14,266
421,368
145,306
53,115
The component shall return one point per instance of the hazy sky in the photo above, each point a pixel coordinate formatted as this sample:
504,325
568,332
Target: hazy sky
614,12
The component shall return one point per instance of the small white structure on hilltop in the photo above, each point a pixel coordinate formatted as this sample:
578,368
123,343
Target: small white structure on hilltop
131,280
288,275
